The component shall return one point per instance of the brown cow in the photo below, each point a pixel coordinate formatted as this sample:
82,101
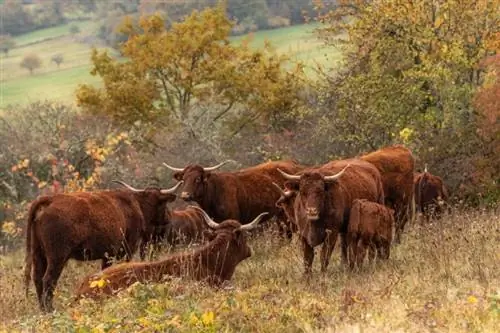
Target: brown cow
239,195
182,226
323,202
214,262
87,226
370,226
431,194
396,165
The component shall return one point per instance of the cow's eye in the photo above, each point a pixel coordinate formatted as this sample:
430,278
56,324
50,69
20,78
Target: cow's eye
198,179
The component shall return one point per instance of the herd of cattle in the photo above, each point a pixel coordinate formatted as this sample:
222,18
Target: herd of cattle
361,199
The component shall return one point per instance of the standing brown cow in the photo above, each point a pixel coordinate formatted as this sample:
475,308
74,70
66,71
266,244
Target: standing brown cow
239,195
324,196
396,165
214,262
370,227
87,226
182,226
431,194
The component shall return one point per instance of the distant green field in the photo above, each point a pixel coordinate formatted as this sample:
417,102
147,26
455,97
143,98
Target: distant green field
58,31
58,85
19,87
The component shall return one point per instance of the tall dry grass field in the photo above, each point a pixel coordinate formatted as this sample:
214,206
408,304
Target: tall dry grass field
444,277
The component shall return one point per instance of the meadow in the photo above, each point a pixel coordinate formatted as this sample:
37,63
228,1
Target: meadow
59,83
444,277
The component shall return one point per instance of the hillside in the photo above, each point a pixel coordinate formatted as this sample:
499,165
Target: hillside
59,83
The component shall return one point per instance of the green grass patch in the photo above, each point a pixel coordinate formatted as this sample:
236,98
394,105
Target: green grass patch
57,85
54,32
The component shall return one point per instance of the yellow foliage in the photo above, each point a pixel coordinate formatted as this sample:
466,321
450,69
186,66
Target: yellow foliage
207,318
98,283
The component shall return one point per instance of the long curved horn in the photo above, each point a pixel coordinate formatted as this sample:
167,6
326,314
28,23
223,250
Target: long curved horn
208,220
287,176
127,186
254,223
172,189
336,176
215,167
172,168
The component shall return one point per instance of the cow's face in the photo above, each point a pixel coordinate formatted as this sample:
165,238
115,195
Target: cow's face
309,206
285,203
158,202
195,179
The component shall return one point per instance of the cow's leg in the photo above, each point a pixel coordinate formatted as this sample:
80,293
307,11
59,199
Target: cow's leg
308,256
372,251
52,274
327,249
360,252
39,268
343,244
351,247
386,246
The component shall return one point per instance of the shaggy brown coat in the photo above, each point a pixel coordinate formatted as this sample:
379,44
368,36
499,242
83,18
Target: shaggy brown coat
431,195
396,165
182,226
86,226
370,227
239,195
322,206
214,263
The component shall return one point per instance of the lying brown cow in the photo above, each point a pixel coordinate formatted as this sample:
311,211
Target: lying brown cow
182,226
87,226
396,165
214,262
239,195
322,205
431,194
370,227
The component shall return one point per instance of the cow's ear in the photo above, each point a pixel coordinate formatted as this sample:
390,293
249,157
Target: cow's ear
292,185
179,175
169,197
206,175
209,234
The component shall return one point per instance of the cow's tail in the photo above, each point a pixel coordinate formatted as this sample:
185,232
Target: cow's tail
35,206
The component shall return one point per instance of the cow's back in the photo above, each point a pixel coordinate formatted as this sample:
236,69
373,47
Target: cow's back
396,165
185,224
371,219
94,222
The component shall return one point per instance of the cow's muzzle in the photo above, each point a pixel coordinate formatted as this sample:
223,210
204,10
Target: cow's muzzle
186,196
312,214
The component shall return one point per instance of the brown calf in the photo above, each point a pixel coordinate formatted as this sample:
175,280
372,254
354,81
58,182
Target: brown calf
370,226
214,262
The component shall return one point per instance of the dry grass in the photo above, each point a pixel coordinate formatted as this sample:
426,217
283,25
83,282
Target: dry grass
443,278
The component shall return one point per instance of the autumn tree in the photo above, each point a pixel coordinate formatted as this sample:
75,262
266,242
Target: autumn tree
7,43
410,69
31,62
190,75
57,59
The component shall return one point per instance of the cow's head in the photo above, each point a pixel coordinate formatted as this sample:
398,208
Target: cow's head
236,247
153,201
309,207
285,202
195,178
